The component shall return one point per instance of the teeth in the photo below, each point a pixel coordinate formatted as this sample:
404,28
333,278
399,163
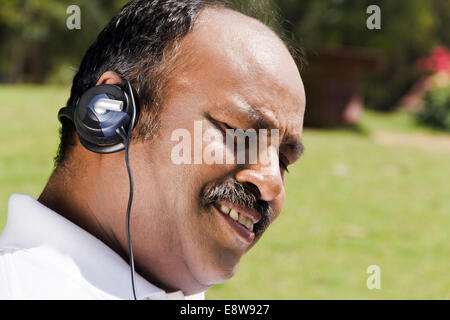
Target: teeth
237,217
224,209
234,215
249,225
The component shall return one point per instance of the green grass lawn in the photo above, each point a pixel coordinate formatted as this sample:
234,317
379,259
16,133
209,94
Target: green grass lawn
351,203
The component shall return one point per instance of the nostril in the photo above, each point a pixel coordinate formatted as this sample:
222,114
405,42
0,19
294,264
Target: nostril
253,189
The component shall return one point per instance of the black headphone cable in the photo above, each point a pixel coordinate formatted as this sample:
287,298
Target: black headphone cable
126,141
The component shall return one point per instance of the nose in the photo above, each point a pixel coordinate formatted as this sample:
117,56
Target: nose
266,177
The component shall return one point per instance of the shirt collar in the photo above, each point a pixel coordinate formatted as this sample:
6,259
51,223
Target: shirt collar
31,224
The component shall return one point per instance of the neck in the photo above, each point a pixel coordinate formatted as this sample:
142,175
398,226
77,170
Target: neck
62,195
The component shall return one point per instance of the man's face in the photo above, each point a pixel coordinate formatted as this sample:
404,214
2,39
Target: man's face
235,73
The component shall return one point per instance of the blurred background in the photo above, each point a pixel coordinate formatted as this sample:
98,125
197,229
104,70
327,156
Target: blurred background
373,185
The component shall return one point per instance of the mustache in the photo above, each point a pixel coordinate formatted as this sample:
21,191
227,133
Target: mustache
230,190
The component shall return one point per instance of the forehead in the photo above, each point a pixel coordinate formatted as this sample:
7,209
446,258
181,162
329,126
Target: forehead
238,63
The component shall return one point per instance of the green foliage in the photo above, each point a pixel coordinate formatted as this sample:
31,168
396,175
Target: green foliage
36,41
409,29
436,109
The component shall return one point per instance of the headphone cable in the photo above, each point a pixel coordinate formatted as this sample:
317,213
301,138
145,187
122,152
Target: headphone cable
126,141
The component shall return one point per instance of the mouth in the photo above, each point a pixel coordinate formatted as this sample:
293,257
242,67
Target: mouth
241,221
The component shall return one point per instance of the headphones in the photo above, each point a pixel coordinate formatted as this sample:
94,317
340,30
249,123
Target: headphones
104,118
101,115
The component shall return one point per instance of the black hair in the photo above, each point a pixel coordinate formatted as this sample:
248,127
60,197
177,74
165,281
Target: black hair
135,44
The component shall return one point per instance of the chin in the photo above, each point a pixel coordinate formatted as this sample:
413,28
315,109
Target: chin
222,275
214,256
218,268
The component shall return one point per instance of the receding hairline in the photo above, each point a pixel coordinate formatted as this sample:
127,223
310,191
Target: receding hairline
184,49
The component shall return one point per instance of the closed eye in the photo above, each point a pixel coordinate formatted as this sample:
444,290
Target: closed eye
223,126
227,126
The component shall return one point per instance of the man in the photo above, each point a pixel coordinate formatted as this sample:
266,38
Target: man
189,62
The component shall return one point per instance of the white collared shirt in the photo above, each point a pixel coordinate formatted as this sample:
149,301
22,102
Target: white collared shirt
45,256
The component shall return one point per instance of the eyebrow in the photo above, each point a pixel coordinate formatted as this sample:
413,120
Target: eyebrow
262,122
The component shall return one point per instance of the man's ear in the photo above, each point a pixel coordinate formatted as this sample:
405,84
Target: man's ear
109,77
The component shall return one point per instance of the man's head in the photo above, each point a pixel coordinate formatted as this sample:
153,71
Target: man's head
189,62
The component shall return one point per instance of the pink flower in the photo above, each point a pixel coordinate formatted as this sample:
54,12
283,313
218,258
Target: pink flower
438,61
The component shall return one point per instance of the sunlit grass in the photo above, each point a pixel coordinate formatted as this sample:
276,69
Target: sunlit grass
28,138
350,203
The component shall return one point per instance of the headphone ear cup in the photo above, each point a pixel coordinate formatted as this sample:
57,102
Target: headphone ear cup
97,131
